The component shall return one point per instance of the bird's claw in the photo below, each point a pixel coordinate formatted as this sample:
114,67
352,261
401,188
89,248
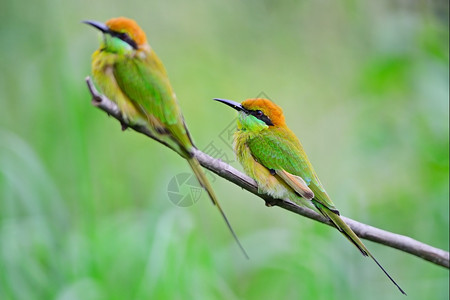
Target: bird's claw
271,202
123,126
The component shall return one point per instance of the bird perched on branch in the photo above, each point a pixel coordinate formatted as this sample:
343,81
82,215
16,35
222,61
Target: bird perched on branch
128,71
272,155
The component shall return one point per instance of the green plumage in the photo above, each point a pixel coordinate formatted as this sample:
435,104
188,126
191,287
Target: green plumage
150,91
277,149
272,155
130,73
148,87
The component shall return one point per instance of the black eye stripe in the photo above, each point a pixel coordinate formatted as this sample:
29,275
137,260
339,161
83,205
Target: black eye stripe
261,116
125,37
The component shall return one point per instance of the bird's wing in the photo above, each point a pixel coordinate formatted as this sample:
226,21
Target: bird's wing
296,183
146,84
278,149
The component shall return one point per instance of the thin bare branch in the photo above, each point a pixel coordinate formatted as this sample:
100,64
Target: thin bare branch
400,242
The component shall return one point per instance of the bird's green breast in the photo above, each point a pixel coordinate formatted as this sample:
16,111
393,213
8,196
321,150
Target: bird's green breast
103,74
138,83
276,148
267,183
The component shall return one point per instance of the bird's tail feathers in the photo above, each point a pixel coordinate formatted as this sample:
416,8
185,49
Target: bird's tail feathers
351,236
204,182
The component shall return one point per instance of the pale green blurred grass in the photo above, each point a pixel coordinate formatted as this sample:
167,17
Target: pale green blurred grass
84,211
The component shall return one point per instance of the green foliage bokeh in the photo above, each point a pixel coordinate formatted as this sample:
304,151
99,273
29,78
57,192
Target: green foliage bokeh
84,207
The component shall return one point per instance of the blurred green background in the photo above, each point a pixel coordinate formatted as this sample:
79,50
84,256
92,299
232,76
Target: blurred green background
84,207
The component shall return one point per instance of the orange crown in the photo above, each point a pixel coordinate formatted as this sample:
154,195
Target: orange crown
130,27
270,109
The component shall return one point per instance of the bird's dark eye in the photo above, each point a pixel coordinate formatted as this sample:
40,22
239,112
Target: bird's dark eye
126,38
260,115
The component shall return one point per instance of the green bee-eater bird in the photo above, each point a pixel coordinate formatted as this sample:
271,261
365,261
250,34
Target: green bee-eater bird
129,72
272,155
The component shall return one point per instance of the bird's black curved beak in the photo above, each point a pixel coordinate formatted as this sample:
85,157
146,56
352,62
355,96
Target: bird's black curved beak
237,106
100,26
